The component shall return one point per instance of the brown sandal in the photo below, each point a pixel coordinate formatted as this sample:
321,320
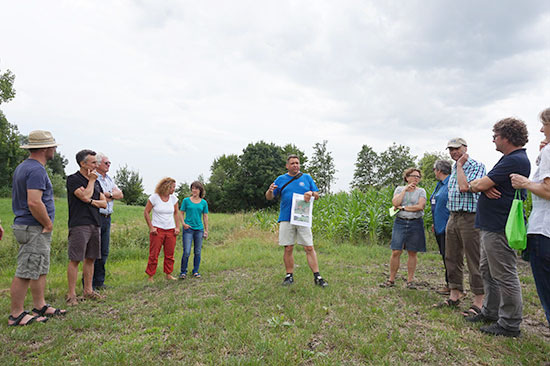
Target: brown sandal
387,284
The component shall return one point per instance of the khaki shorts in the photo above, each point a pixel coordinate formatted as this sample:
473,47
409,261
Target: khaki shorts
33,259
291,234
84,242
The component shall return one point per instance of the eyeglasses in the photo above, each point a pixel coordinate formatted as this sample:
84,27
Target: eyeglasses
495,137
107,163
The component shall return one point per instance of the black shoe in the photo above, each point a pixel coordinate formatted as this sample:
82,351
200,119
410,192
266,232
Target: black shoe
480,318
497,330
319,281
289,280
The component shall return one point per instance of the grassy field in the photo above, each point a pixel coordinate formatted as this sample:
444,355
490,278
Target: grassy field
238,314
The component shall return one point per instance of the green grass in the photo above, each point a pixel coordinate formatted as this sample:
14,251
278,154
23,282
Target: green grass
238,314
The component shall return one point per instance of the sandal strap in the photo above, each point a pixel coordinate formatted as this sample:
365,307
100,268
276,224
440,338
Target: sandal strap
18,319
42,311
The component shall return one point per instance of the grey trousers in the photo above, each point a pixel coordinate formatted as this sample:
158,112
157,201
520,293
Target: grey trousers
498,265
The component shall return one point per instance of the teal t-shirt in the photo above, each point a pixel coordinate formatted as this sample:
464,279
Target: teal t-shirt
193,212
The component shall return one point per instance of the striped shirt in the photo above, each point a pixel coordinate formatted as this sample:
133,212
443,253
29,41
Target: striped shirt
464,201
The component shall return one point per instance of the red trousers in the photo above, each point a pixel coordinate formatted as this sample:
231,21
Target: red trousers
168,239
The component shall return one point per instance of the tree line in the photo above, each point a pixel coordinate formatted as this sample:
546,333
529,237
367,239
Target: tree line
236,182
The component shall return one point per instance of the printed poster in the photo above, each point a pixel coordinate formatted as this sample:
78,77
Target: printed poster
301,213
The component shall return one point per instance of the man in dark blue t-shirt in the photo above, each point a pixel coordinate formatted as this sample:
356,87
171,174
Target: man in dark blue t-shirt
285,186
502,305
34,210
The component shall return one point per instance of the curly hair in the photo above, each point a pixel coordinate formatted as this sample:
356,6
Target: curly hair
200,187
163,187
512,129
545,116
409,171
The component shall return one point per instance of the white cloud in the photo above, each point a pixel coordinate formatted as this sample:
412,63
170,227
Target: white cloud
166,87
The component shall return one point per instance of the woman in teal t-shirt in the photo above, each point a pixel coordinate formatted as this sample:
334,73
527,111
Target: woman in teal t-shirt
193,229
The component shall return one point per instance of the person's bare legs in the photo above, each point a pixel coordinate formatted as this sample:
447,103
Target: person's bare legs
18,291
72,273
288,258
411,265
312,258
394,264
88,274
37,291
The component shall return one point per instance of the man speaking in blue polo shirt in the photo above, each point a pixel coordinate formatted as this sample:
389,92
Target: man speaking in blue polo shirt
285,186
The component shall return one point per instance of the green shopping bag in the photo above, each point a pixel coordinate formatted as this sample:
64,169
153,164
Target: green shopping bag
516,232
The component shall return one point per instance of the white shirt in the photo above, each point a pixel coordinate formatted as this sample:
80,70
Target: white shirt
107,185
539,221
163,212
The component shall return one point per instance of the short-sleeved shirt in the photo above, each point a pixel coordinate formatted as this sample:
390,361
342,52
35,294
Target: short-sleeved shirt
82,213
464,201
539,221
410,199
30,174
193,212
492,214
107,185
163,212
438,202
301,185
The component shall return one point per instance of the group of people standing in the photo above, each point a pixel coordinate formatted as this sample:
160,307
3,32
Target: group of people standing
165,225
470,209
91,193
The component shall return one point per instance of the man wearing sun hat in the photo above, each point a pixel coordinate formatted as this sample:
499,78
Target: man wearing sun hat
33,206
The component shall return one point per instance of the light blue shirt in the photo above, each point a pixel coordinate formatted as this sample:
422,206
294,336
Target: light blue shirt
107,185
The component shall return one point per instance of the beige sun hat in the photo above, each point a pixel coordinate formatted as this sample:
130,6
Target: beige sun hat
40,139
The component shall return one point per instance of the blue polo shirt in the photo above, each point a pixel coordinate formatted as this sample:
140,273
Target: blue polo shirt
301,185
438,201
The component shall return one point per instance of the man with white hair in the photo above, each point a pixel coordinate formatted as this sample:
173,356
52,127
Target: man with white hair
111,192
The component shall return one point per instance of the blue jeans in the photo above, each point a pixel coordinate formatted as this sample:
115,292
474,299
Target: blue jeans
99,264
188,236
539,256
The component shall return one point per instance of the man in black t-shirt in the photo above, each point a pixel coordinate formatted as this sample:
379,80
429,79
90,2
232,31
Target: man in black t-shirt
85,197
502,305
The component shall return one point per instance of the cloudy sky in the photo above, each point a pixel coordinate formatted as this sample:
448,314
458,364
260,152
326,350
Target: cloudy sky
167,86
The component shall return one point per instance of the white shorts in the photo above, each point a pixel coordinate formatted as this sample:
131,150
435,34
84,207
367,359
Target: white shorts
294,234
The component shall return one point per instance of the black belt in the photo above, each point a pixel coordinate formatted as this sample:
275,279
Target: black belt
409,219
105,215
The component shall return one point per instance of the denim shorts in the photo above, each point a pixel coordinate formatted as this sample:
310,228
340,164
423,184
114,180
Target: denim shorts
408,235
33,259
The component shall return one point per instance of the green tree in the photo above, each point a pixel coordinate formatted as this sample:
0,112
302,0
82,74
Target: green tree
225,171
10,138
366,169
322,167
183,191
58,164
131,185
259,165
426,165
10,153
7,92
392,163
291,149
